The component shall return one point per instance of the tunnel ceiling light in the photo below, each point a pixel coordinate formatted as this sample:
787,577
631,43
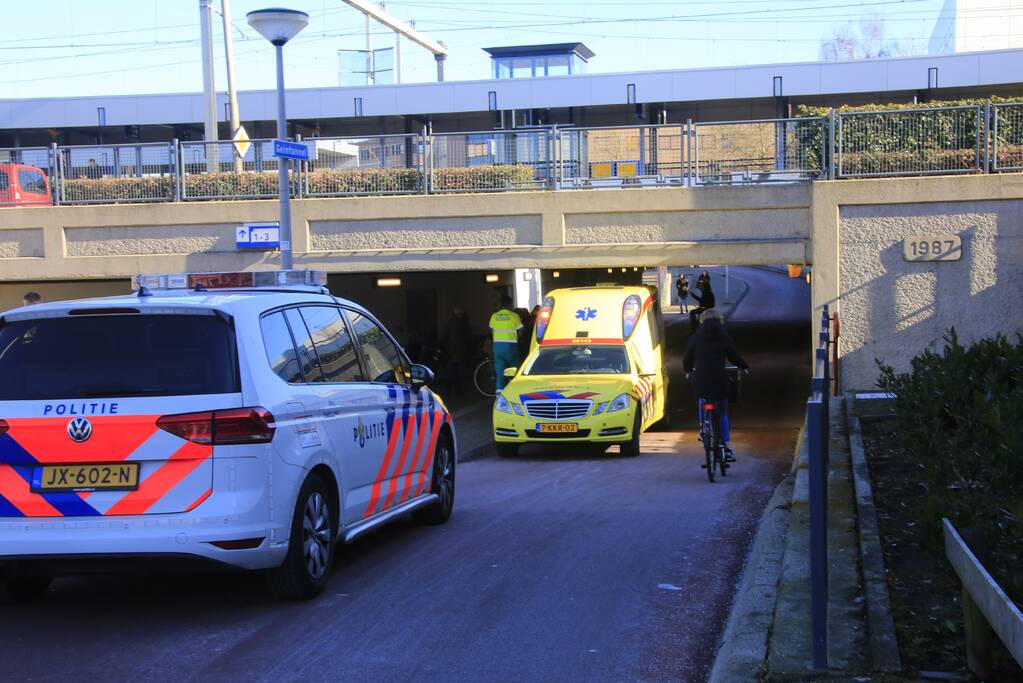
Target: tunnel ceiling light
491,277
610,270
624,269
388,282
556,273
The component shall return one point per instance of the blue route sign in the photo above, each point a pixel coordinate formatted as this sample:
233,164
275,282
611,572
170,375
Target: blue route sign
285,149
258,236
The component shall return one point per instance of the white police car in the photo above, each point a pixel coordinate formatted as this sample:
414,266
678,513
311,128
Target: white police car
251,419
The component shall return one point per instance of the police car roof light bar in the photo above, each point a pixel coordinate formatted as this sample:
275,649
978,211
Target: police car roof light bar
230,280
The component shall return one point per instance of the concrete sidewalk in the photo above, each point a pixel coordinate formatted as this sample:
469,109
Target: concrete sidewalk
768,635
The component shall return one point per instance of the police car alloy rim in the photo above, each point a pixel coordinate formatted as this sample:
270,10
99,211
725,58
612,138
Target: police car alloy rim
316,535
445,483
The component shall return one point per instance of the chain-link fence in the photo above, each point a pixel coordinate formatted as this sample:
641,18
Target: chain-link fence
110,174
939,140
26,176
1007,142
224,170
623,156
492,161
779,150
386,164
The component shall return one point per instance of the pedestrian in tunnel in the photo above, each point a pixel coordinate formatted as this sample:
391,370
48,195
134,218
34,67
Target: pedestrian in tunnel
705,299
505,325
457,345
31,299
526,336
682,288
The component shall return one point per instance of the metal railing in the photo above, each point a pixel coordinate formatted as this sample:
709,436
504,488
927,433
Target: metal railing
216,170
775,150
344,166
104,174
622,156
818,437
1007,137
521,159
933,140
938,140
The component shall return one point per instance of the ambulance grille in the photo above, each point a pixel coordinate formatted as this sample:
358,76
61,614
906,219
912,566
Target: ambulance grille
558,409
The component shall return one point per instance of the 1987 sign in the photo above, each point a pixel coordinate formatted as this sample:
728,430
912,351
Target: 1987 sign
932,248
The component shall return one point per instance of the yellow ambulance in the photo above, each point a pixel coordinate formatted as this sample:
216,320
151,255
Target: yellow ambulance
595,373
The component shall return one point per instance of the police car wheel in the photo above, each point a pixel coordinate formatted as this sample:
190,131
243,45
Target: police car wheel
307,565
630,449
27,588
507,450
443,485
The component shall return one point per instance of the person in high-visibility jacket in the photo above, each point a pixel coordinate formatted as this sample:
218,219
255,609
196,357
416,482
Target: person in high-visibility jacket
505,325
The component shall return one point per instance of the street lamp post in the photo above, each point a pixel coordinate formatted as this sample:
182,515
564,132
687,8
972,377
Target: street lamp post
280,25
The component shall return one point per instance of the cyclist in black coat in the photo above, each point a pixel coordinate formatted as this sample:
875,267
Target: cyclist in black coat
708,350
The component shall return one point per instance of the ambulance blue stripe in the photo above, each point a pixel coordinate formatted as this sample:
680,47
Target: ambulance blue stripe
12,452
8,510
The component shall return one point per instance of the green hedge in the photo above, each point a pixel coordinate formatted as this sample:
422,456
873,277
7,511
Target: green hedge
323,182
929,140
960,416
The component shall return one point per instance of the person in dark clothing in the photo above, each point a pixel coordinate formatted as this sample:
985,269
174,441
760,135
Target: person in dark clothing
705,299
708,350
456,341
526,336
682,288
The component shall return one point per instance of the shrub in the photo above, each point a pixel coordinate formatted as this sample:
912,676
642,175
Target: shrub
960,417
357,181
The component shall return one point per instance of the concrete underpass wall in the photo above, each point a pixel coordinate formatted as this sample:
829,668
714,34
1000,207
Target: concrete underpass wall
569,229
892,309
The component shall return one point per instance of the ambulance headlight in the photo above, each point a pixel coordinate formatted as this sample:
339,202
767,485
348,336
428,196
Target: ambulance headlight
503,405
621,402
600,408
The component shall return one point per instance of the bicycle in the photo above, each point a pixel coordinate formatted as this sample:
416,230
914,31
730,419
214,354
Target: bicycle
713,444
484,377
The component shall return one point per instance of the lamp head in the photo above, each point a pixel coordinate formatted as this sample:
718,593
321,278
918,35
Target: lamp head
276,24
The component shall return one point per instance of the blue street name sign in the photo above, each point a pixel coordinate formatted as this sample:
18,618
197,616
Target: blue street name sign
290,150
258,236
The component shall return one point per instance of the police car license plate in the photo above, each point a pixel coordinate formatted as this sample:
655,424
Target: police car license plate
559,427
116,477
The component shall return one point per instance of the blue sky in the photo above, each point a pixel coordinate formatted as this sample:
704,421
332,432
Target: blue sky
102,47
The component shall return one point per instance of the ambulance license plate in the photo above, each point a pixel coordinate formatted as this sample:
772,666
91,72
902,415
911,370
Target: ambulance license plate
100,477
557,427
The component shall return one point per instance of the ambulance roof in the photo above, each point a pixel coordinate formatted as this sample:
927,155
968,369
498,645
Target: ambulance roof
593,313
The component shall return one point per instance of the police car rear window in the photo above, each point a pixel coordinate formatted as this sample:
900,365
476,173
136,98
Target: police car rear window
119,356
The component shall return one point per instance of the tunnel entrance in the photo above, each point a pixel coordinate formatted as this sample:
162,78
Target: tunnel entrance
767,314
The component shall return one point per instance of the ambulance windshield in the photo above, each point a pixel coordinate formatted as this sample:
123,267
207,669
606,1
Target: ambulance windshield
96,356
579,360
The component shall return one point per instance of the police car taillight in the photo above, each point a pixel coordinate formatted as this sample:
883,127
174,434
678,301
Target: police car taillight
232,280
3,427
543,318
221,427
631,310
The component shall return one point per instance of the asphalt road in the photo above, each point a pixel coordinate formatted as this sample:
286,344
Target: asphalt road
556,566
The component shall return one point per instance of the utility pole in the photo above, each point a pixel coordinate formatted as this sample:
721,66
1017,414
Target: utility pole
209,87
232,93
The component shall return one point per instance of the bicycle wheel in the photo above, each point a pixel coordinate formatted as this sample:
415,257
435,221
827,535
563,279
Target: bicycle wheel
708,446
718,445
484,378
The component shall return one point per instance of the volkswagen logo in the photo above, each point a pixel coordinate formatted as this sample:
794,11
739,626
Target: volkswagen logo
79,429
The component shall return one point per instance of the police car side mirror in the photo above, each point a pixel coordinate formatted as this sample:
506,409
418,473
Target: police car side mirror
510,372
421,375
